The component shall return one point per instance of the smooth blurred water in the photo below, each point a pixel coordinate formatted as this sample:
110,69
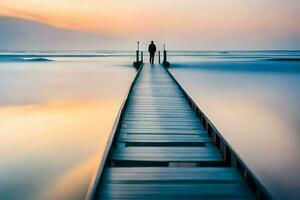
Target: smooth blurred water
253,99
55,121
57,110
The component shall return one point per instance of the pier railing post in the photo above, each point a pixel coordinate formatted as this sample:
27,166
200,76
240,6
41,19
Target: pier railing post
138,63
165,62
142,57
137,56
159,57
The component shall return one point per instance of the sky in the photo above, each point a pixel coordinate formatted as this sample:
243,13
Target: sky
189,24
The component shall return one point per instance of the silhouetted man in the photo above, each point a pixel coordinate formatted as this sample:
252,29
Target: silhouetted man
152,50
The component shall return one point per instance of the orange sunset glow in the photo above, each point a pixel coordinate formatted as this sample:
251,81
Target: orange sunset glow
172,20
33,130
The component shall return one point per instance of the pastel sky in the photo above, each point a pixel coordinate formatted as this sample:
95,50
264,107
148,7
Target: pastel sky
204,24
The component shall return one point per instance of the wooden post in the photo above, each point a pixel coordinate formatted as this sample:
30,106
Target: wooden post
138,63
159,57
137,56
137,52
142,56
165,54
165,62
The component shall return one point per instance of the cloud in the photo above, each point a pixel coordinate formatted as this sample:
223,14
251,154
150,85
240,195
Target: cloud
24,34
190,24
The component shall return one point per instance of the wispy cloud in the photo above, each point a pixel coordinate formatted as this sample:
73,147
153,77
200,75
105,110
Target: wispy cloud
208,22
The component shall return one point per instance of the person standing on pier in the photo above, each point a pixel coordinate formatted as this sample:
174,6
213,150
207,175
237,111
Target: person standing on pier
152,50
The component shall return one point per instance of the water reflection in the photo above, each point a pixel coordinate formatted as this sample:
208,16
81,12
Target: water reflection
257,113
75,179
54,118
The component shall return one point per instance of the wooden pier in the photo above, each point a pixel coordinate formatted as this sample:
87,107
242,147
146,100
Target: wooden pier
163,147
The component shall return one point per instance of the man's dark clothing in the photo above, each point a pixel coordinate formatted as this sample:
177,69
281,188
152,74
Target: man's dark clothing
152,50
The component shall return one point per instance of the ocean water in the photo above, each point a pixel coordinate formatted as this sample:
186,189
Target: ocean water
55,118
57,110
253,98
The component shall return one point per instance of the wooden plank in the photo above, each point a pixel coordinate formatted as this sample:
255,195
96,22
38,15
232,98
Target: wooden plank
164,115
163,131
162,122
153,111
162,126
163,140
175,191
182,137
167,154
163,119
172,175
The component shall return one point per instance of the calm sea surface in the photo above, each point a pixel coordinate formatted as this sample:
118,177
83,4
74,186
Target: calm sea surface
253,98
57,110
55,118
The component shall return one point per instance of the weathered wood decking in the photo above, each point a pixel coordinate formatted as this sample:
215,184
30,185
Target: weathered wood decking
161,150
